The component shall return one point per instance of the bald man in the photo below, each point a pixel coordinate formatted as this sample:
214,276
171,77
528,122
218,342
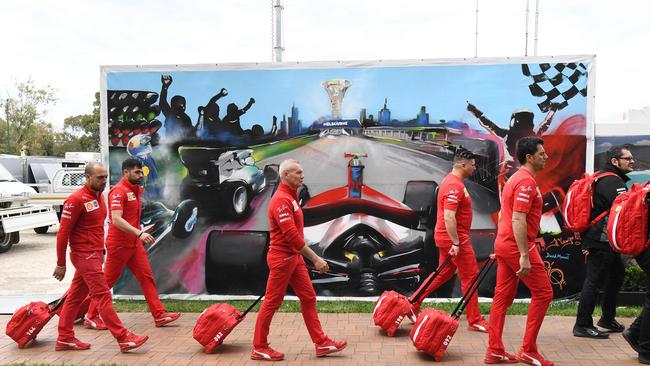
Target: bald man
287,267
82,228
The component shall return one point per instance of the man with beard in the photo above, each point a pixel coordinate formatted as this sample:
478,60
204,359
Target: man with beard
124,245
604,266
518,257
82,228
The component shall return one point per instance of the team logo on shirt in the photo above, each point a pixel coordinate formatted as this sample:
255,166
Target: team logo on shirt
91,206
130,196
295,205
466,193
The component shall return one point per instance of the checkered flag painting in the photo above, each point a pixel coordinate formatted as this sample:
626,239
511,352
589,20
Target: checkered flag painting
557,84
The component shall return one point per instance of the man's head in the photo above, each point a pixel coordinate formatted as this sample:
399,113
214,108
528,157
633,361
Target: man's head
291,173
621,157
132,170
96,176
464,162
522,119
178,103
530,151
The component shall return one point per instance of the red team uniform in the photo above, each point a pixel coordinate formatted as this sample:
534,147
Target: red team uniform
126,250
520,194
287,267
82,226
453,196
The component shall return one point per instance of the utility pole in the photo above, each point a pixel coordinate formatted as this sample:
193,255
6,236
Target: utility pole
536,25
276,30
527,11
7,132
476,33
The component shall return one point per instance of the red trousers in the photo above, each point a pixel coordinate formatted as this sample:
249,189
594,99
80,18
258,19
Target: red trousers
135,258
287,271
467,267
88,278
541,294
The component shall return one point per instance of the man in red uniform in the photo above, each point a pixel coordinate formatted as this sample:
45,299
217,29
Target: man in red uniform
124,245
287,267
454,220
518,257
82,226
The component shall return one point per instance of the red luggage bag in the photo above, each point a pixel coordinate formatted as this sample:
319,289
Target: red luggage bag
29,320
216,322
392,307
434,329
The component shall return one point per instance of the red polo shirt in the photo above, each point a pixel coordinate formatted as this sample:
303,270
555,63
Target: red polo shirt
520,194
124,196
82,223
286,221
452,195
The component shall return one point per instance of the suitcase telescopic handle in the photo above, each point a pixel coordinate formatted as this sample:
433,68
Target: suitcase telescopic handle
420,291
54,305
473,287
243,315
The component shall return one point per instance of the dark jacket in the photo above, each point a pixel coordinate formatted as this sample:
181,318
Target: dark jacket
605,191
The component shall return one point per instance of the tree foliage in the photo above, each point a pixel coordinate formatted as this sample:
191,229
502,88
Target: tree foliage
29,129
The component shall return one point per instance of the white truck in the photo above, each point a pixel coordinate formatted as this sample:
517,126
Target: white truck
64,182
16,213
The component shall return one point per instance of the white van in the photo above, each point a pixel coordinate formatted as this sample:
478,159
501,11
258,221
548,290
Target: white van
16,213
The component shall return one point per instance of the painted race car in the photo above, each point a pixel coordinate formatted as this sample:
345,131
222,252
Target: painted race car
370,241
222,181
158,220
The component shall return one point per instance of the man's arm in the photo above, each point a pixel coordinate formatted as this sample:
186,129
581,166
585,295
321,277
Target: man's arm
283,215
486,122
319,263
519,228
69,217
450,226
123,225
546,123
164,105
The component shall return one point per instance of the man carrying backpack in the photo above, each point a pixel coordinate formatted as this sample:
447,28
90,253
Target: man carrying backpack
638,334
604,266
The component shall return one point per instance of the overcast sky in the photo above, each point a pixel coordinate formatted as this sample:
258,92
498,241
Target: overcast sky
64,43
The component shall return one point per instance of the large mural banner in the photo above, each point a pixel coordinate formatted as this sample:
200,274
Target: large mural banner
374,139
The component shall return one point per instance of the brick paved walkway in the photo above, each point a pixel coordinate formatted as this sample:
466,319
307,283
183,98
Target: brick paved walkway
175,346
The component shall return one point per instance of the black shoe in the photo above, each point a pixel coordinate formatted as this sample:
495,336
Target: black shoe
634,343
644,358
611,325
589,332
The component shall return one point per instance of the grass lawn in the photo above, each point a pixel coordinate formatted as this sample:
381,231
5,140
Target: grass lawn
559,308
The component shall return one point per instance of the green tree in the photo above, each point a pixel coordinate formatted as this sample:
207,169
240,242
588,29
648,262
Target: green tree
25,114
84,128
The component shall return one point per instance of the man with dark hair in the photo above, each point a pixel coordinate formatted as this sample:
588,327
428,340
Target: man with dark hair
604,266
518,257
124,245
451,235
82,227
287,267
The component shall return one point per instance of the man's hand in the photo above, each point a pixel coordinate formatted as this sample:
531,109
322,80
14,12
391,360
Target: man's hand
251,101
453,251
524,265
166,80
223,92
59,273
321,266
473,110
147,238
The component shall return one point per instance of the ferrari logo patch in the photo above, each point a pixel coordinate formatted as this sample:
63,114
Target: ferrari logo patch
130,196
295,205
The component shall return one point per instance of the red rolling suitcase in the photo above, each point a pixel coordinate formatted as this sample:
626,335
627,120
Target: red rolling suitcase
29,320
434,329
392,307
216,322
